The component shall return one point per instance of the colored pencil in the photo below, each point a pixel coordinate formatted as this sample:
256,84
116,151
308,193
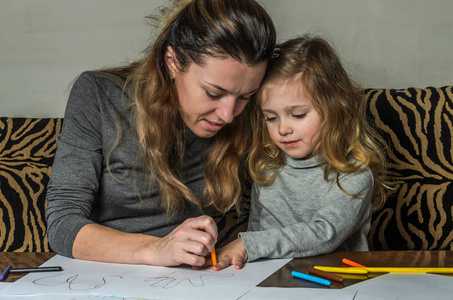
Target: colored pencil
356,270
213,257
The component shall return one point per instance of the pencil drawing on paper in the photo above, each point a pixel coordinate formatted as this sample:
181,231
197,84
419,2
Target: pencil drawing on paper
174,279
76,282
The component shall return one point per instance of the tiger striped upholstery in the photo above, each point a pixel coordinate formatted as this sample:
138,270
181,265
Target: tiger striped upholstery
417,125
27,148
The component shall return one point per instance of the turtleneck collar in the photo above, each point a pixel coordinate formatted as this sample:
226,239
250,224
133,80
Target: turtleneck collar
301,163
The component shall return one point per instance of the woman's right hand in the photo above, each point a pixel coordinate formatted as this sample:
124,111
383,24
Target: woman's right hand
189,243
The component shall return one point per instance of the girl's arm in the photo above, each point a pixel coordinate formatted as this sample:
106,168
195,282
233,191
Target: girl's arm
319,225
321,231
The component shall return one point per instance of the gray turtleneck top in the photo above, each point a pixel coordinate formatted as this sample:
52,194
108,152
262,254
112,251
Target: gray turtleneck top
82,190
300,214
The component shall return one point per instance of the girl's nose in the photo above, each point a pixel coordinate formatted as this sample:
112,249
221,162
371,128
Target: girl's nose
284,128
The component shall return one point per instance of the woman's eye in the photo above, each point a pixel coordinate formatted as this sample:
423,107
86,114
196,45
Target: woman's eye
213,96
244,98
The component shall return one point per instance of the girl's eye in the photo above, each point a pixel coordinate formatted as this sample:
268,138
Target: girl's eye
213,96
301,116
270,119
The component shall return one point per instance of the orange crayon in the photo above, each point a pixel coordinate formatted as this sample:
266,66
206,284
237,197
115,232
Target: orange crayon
352,263
213,257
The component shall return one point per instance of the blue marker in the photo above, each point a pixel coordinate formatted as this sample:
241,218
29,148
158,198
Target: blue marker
310,278
5,272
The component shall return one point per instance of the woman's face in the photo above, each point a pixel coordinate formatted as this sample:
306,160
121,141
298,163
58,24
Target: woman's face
213,94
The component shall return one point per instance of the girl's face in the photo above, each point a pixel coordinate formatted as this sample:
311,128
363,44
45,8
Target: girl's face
293,124
213,94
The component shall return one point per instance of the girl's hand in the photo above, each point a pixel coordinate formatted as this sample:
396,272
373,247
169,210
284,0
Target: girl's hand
232,254
189,243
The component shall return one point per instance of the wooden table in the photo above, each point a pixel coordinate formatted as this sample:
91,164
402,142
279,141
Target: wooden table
22,260
282,277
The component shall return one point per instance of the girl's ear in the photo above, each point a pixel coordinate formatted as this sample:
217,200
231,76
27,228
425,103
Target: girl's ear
171,62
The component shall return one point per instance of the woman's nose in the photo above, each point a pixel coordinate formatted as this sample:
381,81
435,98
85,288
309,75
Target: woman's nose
225,110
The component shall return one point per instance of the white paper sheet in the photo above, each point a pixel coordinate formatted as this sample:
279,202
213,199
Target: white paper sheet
94,278
4,285
394,286
82,280
70,297
262,293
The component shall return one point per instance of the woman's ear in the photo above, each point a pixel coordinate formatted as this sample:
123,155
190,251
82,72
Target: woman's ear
171,62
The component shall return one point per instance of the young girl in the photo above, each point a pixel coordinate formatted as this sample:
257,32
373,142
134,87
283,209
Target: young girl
315,160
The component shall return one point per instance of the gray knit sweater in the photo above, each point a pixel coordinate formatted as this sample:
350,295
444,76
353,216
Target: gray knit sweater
301,214
82,190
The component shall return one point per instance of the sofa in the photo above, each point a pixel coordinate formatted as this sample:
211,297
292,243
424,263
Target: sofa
416,124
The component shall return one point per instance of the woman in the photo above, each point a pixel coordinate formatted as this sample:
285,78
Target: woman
149,150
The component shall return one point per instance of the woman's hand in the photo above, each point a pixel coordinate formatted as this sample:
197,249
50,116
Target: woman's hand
232,254
189,243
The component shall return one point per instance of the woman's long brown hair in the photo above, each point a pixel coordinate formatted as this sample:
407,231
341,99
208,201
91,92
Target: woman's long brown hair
240,29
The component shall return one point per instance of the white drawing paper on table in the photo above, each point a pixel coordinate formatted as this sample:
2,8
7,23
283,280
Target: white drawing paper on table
393,286
81,277
71,297
287,293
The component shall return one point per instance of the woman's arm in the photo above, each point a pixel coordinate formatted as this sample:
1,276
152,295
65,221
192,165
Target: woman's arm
86,200
189,243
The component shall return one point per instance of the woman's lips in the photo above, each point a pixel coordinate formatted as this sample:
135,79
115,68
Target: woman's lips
213,126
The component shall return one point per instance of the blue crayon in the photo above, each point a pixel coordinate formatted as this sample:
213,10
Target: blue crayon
310,278
5,272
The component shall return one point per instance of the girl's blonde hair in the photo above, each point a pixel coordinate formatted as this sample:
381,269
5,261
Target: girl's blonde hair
240,29
346,132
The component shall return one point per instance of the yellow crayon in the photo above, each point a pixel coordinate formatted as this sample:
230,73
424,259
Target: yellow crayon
407,270
353,276
341,270
357,270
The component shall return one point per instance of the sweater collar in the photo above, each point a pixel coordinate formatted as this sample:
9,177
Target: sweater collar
301,163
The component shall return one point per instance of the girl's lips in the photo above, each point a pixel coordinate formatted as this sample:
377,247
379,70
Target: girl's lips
290,144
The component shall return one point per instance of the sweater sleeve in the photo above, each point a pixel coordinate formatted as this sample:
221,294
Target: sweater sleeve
323,231
77,167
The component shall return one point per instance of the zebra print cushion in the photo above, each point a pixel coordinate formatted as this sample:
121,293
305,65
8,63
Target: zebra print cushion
27,148
418,127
